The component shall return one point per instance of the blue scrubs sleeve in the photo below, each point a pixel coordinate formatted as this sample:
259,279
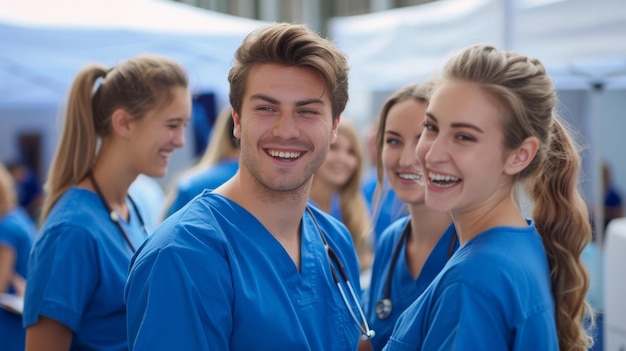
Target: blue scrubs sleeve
165,309
60,276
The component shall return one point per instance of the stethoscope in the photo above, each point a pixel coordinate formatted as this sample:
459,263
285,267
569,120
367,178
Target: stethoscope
384,306
366,332
115,217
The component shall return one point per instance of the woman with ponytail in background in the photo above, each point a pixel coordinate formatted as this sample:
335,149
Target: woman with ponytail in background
515,283
120,123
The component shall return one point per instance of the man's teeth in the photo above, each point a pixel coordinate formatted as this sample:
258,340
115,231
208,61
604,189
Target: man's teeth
283,154
165,154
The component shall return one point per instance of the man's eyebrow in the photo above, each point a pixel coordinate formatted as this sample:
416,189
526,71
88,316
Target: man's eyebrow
276,102
309,102
264,98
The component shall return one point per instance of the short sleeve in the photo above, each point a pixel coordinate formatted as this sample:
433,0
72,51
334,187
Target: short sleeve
61,271
168,308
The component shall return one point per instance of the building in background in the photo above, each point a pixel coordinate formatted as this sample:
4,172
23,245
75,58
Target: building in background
314,13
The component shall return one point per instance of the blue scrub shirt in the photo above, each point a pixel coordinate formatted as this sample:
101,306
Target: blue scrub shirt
211,277
493,294
78,268
403,288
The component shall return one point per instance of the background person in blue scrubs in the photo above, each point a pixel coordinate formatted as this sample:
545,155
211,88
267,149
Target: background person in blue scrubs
515,283
17,232
414,248
79,263
244,267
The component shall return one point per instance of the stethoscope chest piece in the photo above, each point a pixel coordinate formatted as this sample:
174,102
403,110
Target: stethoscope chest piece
383,308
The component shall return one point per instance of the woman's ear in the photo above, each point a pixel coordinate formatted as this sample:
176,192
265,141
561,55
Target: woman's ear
521,157
121,122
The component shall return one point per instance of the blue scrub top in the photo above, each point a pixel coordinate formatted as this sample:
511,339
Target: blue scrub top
403,289
211,178
78,268
17,231
493,294
211,277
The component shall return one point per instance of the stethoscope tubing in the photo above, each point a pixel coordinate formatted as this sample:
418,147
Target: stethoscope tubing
366,332
384,306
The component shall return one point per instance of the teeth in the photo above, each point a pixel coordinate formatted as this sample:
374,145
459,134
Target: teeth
442,178
410,176
165,154
283,154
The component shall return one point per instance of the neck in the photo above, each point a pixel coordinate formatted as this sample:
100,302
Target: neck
113,176
279,212
469,224
322,195
427,225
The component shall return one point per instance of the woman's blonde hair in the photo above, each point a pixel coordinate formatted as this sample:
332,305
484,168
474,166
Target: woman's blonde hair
352,203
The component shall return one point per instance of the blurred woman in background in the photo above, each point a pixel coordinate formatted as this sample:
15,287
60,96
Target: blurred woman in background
17,232
336,189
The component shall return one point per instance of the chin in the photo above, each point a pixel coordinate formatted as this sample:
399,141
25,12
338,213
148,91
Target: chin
157,173
438,206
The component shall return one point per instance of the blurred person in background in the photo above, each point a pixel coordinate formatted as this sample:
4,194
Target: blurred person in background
613,205
29,189
17,232
120,122
336,189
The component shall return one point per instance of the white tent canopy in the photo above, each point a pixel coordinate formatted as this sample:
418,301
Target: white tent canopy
44,43
578,40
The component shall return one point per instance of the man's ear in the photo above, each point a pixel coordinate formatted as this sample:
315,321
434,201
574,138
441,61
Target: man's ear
121,122
333,132
521,157
236,124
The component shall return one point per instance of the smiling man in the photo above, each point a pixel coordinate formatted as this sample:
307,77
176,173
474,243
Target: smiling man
247,266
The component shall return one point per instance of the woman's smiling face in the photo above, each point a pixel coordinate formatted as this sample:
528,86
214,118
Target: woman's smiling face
403,128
